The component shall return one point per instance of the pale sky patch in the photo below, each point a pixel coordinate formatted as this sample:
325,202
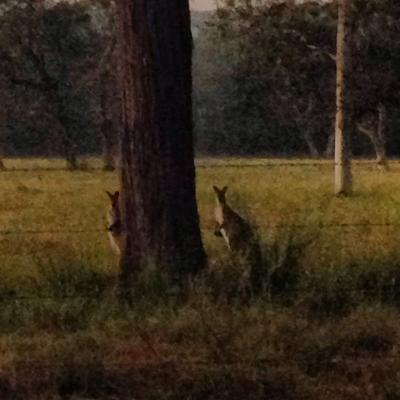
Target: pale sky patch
202,5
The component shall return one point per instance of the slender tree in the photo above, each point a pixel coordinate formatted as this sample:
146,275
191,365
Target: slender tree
374,127
159,209
344,118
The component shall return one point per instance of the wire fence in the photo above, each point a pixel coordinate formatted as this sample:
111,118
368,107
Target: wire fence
199,163
344,226
241,366
95,295
11,232
297,164
322,226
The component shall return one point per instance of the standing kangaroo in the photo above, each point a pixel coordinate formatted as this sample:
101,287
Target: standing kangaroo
115,228
231,226
238,235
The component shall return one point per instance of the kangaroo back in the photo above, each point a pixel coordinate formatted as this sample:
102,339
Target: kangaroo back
240,238
115,228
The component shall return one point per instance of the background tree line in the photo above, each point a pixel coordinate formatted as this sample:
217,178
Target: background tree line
264,78
58,79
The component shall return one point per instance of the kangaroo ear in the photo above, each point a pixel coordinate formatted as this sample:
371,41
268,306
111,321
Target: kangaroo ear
224,189
216,190
113,197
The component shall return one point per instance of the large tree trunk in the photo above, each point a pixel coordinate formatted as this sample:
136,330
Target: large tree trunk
159,209
344,118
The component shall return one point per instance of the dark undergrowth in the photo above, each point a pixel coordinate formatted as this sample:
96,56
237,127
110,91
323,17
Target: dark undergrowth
318,333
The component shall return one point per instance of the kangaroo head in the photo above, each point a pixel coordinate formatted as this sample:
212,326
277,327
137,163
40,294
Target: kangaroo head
221,199
114,197
114,213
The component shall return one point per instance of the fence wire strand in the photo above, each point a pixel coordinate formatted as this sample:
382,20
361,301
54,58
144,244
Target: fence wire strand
344,225
204,164
13,298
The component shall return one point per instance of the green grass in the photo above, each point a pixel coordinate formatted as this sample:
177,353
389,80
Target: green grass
326,327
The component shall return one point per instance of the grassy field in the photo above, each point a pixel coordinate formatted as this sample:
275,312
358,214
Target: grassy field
328,328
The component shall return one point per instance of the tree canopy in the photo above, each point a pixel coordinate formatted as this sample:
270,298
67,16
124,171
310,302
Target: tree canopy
264,77
268,72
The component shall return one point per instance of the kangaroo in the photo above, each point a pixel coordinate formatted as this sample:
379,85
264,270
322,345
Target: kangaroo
115,228
238,235
230,225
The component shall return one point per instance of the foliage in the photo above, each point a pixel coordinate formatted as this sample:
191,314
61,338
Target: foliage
328,330
265,75
51,60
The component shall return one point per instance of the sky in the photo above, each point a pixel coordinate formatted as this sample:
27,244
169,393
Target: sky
202,5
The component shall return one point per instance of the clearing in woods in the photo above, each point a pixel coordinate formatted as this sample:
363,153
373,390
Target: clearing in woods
63,333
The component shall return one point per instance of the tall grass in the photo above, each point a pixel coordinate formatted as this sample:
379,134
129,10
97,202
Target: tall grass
324,326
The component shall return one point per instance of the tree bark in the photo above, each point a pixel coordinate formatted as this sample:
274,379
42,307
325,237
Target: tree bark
159,209
344,109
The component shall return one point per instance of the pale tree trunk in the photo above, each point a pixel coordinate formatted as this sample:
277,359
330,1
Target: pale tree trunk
344,109
303,121
381,156
159,210
375,129
307,134
330,145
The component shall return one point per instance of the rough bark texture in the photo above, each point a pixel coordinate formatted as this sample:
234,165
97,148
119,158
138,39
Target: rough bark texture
344,119
159,207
